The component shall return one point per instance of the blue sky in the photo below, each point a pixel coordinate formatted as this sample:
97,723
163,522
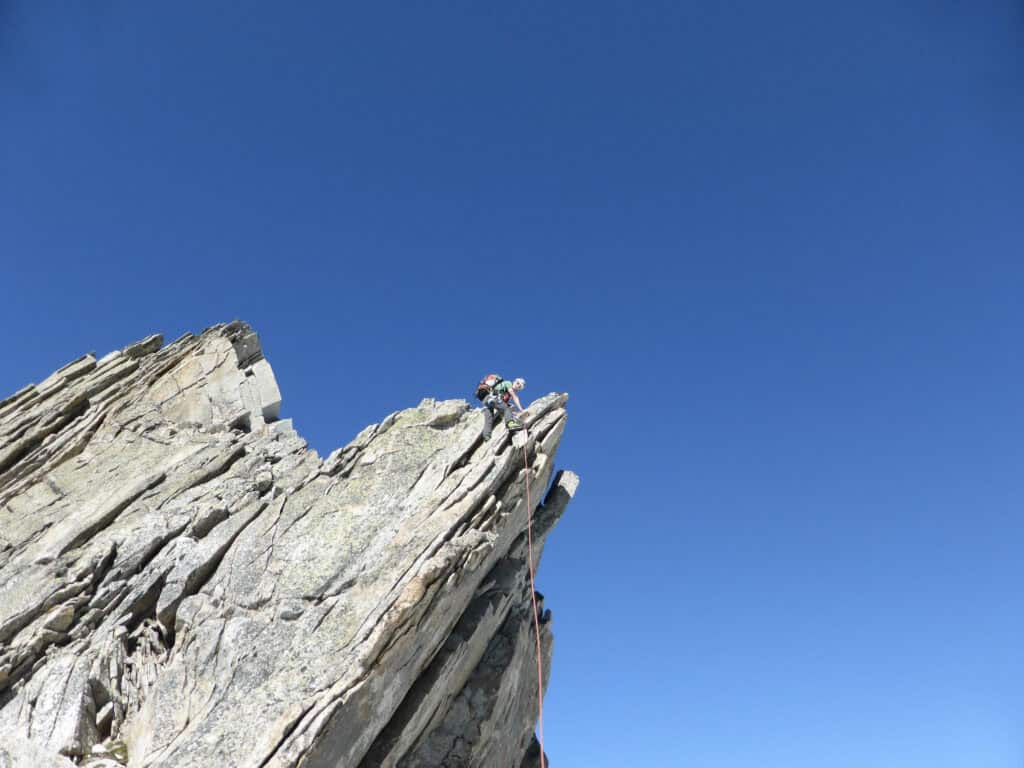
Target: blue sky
774,252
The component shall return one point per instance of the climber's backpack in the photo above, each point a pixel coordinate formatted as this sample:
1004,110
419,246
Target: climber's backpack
487,383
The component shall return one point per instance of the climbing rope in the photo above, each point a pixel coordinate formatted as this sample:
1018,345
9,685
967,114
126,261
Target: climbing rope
533,596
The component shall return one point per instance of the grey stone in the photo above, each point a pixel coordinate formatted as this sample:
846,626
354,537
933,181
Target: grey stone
183,579
18,752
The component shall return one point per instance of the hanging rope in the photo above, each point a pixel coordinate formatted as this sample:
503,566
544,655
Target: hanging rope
536,616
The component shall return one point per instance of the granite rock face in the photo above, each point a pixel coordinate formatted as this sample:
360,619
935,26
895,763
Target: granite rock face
185,583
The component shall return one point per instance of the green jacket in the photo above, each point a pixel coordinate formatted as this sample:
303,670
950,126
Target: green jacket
503,389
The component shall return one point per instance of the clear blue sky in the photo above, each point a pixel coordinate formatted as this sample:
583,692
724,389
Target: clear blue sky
774,251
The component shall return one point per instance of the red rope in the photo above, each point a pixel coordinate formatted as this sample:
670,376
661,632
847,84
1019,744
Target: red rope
536,617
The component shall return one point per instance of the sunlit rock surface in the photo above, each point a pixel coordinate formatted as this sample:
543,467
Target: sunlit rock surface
184,582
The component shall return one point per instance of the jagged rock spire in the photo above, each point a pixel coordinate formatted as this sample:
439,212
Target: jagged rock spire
183,582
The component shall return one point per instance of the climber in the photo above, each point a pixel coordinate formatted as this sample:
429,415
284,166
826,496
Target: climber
495,392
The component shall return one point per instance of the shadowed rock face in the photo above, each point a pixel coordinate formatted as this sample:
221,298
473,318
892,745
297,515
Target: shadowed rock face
183,582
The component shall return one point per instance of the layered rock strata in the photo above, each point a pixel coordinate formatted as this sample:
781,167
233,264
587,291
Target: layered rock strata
184,582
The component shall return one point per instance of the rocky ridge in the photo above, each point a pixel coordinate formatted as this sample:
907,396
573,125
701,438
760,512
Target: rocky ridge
184,582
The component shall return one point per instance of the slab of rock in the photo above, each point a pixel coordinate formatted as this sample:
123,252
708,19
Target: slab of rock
184,582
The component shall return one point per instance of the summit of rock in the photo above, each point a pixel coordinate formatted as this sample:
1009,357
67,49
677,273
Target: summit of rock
185,583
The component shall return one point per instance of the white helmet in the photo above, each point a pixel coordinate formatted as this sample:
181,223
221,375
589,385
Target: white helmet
519,384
